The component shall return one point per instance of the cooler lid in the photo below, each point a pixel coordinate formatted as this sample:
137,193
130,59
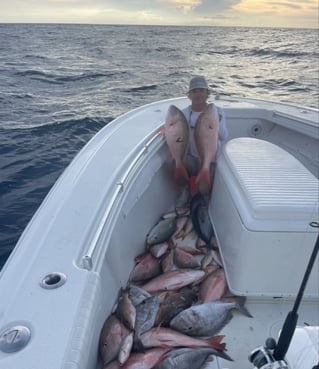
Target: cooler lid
271,189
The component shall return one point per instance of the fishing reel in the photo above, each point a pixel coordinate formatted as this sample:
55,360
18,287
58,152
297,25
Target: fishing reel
262,357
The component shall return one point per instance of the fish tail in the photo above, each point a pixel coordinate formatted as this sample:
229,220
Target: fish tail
241,300
181,175
216,343
204,181
239,304
244,311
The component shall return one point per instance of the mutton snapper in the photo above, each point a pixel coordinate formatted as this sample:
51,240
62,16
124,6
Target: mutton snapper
206,139
186,358
206,319
166,337
173,280
143,360
177,137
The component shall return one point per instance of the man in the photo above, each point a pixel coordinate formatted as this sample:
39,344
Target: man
198,93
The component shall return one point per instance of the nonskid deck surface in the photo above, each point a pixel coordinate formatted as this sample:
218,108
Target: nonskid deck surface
243,334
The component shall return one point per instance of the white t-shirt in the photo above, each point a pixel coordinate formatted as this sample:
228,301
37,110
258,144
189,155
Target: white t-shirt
192,116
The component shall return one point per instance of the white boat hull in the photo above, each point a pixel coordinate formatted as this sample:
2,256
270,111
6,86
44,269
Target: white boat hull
94,222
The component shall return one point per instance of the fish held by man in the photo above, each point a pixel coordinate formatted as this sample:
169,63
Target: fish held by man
177,137
206,139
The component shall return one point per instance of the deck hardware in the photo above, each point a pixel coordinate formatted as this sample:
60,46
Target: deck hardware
14,339
121,186
53,280
87,262
256,130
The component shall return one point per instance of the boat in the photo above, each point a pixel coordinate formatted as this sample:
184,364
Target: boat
64,275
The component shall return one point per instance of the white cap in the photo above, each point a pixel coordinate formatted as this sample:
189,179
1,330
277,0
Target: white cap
198,82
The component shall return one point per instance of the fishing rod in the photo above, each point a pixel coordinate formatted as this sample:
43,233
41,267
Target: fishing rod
272,356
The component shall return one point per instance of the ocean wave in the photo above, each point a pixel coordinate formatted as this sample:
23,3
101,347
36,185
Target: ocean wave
140,88
59,78
60,125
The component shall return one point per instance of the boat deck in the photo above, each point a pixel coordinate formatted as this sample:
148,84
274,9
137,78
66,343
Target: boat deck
243,334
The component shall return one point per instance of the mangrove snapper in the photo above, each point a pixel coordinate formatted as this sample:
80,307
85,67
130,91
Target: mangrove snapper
146,313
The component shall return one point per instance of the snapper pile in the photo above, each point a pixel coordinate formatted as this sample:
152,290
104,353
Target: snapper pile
177,299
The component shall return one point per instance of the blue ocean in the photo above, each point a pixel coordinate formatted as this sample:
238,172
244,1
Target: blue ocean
60,84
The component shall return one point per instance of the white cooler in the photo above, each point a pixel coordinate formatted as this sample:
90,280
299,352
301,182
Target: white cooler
261,208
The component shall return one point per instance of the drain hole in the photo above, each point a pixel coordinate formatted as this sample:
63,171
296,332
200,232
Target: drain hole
256,130
53,280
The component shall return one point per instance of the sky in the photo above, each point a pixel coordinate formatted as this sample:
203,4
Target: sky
250,13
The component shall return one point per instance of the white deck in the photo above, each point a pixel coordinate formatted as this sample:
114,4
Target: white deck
243,334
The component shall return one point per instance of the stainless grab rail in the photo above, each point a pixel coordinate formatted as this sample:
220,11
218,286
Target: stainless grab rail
87,259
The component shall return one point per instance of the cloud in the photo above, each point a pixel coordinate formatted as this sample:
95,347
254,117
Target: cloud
184,5
282,8
300,13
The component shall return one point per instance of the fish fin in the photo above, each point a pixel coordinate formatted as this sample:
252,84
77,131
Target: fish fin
181,175
193,186
204,181
244,311
215,342
138,346
240,304
223,355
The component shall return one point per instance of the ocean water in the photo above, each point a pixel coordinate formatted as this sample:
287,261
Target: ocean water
60,84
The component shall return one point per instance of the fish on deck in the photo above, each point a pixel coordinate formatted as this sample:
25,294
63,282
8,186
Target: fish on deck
209,318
